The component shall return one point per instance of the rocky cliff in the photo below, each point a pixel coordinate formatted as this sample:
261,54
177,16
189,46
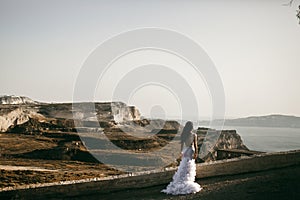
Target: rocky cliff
122,124
14,112
11,99
226,140
15,116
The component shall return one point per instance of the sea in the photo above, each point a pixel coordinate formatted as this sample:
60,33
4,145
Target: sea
268,139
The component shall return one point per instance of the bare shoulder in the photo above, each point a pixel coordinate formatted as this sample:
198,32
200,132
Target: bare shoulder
195,135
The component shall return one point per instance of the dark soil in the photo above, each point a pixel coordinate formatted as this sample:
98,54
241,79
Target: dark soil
60,151
58,170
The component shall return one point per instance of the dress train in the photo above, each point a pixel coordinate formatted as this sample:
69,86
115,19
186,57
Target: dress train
184,178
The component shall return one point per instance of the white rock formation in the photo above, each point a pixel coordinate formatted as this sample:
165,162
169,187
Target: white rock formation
16,117
122,112
16,110
11,99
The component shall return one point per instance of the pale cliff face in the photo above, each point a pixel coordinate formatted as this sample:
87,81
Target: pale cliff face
17,117
122,112
11,99
18,110
227,139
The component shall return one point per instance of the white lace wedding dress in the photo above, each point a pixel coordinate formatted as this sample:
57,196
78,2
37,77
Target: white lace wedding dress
184,178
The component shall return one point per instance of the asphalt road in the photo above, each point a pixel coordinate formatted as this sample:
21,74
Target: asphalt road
283,183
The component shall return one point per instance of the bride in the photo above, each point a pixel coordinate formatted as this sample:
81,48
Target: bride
184,179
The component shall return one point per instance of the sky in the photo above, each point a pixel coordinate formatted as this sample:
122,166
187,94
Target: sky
254,45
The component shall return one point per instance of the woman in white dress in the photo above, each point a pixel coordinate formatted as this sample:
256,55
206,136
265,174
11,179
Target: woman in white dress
184,178
298,13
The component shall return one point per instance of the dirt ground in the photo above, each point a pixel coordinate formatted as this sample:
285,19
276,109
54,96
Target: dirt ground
33,159
18,172
272,184
55,156
19,165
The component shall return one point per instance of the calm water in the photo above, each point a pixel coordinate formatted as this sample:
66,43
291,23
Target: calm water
269,139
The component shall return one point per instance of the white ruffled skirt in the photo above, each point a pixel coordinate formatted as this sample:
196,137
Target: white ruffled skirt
184,178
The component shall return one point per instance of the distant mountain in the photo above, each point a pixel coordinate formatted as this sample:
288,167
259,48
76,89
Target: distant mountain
12,99
264,121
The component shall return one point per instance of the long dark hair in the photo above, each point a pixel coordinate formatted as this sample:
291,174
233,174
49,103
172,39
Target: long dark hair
186,131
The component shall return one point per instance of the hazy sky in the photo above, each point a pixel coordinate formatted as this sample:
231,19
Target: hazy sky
254,44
